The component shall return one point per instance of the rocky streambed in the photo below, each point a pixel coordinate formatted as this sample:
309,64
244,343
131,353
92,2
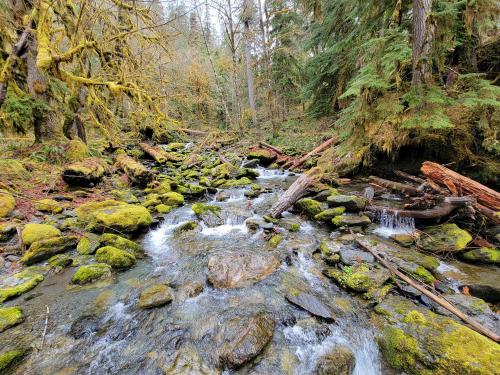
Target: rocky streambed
214,286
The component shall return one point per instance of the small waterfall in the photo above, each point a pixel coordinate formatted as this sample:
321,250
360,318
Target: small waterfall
390,224
266,174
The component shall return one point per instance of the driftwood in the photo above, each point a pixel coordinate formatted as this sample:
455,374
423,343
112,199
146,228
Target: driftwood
395,186
439,300
137,173
441,210
457,183
295,191
297,163
156,153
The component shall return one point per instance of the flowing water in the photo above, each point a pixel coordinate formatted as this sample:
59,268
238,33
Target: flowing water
99,329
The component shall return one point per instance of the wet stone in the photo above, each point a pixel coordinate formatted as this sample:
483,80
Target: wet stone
85,326
350,257
155,296
312,304
339,360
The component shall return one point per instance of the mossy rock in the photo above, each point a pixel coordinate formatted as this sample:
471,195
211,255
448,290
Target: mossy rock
60,261
11,169
75,151
187,226
359,278
14,285
265,157
111,239
294,227
163,208
116,258
7,230
310,207
35,232
339,360
163,187
350,202
444,238
7,204
115,215
84,173
175,146
329,214
49,205
418,341
487,255
329,251
201,208
9,317
90,273
124,196
155,296
9,358
351,220
44,249
172,199
243,181
402,239
88,244
275,240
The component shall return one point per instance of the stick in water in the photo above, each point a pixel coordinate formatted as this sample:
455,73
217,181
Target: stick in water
46,324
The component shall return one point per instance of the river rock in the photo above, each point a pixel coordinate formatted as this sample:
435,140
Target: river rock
116,258
310,207
444,238
254,223
49,205
311,304
339,360
330,251
232,270
329,214
84,173
265,157
485,255
35,232
155,296
243,338
189,290
9,358
415,340
90,273
88,244
7,230
350,257
18,283
44,249
351,203
7,203
351,220
9,317
187,361
360,277
110,214
111,239
85,326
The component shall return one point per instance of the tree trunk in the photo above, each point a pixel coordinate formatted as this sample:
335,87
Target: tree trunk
295,191
423,33
248,61
461,184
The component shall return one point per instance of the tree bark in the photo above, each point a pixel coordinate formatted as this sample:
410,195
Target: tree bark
137,173
295,191
423,34
248,61
458,183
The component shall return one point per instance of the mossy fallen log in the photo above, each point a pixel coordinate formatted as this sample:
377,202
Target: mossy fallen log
137,173
85,173
157,153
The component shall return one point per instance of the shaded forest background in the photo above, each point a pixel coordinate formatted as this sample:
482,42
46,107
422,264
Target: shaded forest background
397,81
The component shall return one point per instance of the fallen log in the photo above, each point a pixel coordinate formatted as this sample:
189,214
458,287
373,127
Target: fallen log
84,173
458,183
396,186
439,300
295,191
489,213
423,182
317,150
157,153
194,132
137,173
271,147
441,210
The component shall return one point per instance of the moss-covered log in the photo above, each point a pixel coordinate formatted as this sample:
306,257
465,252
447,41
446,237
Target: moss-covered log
156,153
137,173
84,173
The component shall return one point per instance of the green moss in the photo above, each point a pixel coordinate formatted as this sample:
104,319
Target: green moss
9,358
44,249
124,196
276,240
116,258
309,206
187,226
60,261
350,220
483,255
155,296
76,150
444,238
122,243
48,205
423,275
163,208
400,350
88,244
9,317
428,262
36,232
329,214
7,204
294,227
415,317
12,169
90,273
200,208
235,183
264,156
270,219
174,146
172,199
19,283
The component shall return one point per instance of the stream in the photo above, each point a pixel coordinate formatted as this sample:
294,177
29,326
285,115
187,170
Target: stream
99,329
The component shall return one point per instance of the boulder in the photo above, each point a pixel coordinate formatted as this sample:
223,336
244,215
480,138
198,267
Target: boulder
444,238
350,256
44,249
329,214
351,203
9,317
485,255
154,296
265,157
189,290
49,205
111,239
310,207
236,270
243,338
18,283
75,150
90,273
7,203
115,257
84,173
11,169
110,214
351,220
311,304
339,360
36,232
163,208
360,277
172,199
60,261
88,244
415,340
9,358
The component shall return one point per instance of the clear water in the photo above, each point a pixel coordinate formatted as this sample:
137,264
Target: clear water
390,224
